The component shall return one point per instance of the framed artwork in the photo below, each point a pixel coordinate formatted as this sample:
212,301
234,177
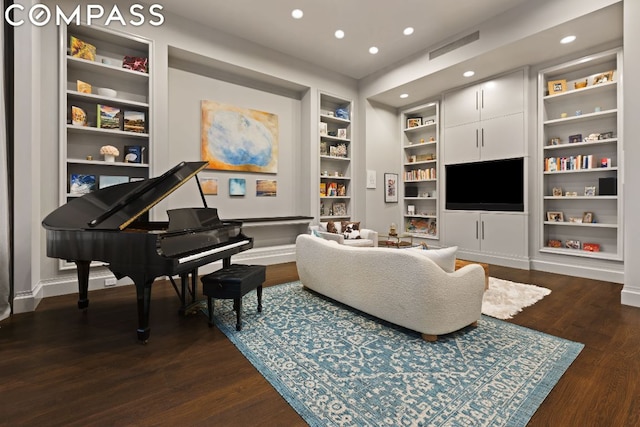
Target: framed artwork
555,216
82,184
391,188
557,86
557,192
574,139
237,186
587,217
209,186
590,191
238,139
266,187
340,209
342,133
603,78
414,122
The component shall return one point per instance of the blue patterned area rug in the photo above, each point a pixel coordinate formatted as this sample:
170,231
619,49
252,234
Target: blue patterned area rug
338,366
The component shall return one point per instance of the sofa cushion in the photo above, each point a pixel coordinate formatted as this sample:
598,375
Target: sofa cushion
331,227
350,229
358,243
445,257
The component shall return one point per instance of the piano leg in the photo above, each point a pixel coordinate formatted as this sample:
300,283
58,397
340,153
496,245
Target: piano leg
143,292
83,268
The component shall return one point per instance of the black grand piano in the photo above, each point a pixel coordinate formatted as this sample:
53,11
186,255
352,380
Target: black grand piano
110,225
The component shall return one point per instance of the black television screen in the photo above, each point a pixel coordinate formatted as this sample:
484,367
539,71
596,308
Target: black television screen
496,185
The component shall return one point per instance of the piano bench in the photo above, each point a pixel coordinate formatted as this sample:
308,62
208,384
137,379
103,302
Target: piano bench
233,282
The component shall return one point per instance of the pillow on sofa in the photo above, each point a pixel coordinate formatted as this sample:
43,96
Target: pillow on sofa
445,257
331,227
350,229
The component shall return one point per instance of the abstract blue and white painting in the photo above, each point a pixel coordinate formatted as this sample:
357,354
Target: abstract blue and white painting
238,139
237,186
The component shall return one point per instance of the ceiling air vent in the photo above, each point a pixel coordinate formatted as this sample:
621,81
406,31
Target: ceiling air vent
454,45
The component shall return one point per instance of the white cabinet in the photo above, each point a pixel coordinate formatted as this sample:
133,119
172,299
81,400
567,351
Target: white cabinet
485,121
335,134
581,145
492,233
420,157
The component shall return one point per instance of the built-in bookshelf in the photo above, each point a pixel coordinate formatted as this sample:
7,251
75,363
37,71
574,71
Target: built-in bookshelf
335,133
105,109
580,128
420,130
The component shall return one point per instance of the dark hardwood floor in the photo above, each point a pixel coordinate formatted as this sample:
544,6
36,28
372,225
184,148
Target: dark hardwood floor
59,366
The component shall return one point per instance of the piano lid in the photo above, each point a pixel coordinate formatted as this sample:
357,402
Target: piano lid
115,207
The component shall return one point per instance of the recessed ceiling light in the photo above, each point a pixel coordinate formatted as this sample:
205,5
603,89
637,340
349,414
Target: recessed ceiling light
408,31
373,50
339,34
468,73
297,13
404,95
567,39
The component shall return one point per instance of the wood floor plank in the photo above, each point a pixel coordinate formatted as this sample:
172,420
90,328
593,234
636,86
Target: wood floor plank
62,367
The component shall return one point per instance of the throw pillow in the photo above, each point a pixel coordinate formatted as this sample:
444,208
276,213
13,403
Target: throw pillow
445,258
351,230
332,227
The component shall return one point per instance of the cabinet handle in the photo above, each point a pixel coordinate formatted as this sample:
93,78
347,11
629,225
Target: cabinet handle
482,99
483,137
476,100
482,230
477,230
476,138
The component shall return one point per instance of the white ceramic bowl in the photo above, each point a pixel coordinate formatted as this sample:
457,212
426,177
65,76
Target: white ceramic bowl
105,91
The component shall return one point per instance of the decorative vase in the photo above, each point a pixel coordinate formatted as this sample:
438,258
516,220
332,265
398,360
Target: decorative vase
109,158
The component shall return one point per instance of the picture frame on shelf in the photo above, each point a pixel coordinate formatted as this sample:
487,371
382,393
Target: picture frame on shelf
557,86
339,209
553,243
414,122
572,244
590,191
575,220
587,218
342,133
557,192
603,77
555,216
591,247
391,188
574,139
323,128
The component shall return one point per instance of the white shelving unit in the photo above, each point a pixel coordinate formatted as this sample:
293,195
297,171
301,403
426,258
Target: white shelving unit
79,145
335,158
581,143
420,131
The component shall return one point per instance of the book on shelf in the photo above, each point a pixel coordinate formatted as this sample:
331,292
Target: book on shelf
81,49
332,189
108,117
134,121
341,190
323,189
78,116
133,153
82,184
83,87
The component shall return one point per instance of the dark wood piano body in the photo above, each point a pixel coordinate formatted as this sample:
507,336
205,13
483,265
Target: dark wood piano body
109,225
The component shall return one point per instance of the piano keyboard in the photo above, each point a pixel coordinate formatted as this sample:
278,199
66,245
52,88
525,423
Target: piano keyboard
212,251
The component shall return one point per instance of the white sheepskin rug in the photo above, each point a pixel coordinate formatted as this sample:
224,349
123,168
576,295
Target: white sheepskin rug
504,299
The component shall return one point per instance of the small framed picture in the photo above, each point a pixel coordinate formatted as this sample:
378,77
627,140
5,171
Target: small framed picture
605,135
571,194
323,128
553,243
342,133
572,244
555,216
575,220
575,138
557,192
554,141
557,86
590,191
603,78
414,122
391,188
587,217
428,121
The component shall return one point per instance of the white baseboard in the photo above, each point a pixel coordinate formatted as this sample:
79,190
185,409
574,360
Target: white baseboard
630,296
68,283
597,273
513,262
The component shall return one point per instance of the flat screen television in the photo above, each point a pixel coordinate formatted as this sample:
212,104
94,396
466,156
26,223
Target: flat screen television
496,185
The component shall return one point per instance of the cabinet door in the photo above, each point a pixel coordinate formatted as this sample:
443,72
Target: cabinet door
502,96
502,137
462,229
461,107
503,234
461,144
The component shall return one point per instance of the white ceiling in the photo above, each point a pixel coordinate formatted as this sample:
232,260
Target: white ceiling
380,23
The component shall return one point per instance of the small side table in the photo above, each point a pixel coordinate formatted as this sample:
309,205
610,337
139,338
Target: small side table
396,241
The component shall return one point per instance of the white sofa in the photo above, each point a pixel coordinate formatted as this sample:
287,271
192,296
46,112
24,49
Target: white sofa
401,286
367,237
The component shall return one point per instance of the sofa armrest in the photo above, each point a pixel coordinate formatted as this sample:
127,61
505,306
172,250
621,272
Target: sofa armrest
331,236
372,235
